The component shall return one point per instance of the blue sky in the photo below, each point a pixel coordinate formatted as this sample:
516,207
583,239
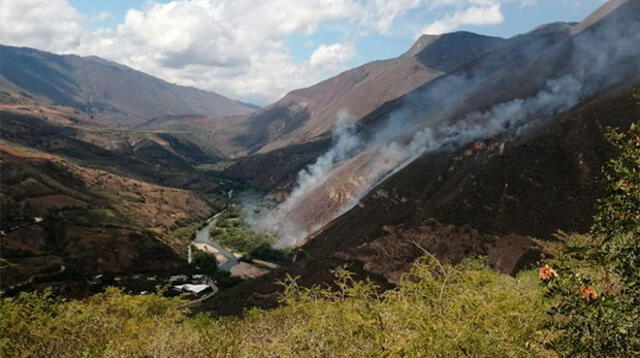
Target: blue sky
259,50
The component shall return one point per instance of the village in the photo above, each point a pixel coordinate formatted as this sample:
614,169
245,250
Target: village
230,267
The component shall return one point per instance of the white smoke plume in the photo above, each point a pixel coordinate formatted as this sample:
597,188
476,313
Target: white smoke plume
288,232
425,124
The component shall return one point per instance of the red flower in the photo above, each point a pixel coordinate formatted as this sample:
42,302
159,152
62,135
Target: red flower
546,273
588,293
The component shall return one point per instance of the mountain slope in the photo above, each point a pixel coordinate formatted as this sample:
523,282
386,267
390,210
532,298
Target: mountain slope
512,90
507,146
487,198
304,114
91,221
103,88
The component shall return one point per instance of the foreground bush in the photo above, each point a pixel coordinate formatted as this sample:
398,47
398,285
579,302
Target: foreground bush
596,279
437,310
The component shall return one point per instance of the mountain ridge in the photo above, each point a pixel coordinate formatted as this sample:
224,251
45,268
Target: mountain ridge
117,93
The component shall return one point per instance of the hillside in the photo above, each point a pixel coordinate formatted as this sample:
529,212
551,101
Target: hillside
305,114
163,157
436,308
105,89
475,196
488,191
445,94
108,197
91,222
512,90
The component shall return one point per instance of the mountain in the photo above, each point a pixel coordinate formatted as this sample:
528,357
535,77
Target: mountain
305,114
508,55
109,199
465,145
514,88
504,148
106,89
76,222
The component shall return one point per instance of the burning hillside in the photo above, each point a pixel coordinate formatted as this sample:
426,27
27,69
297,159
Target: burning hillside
445,115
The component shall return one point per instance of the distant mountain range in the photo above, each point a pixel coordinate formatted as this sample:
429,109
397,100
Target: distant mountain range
106,89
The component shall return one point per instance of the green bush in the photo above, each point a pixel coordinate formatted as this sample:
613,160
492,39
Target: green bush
203,262
437,311
187,233
597,288
231,231
223,279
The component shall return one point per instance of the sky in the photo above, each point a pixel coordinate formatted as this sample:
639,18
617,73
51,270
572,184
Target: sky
258,50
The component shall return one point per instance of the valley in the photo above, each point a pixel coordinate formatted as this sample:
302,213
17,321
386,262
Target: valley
445,182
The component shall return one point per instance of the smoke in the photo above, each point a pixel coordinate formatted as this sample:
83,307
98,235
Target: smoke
345,143
432,121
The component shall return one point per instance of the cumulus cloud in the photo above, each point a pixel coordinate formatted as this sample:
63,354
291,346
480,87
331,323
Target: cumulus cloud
468,12
332,55
48,24
380,14
475,15
235,47
101,16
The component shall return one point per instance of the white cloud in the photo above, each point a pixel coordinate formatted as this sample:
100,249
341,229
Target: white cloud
380,14
469,12
47,24
332,55
235,47
474,15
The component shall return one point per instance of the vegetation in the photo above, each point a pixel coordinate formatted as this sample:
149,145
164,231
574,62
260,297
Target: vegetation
223,279
187,233
203,262
591,294
596,279
233,232
437,309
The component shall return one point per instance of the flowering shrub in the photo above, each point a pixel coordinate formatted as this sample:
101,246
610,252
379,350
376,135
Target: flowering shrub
597,291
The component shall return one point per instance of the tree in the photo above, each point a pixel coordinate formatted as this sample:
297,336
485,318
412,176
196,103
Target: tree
596,278
204,262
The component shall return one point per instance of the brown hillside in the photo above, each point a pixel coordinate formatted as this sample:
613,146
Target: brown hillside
93,221
490,197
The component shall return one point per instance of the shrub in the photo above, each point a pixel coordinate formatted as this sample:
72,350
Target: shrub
231,231
187,233
437,311
598,285
204,262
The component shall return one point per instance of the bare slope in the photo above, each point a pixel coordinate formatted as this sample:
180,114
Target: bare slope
482,199
511,90
488,193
